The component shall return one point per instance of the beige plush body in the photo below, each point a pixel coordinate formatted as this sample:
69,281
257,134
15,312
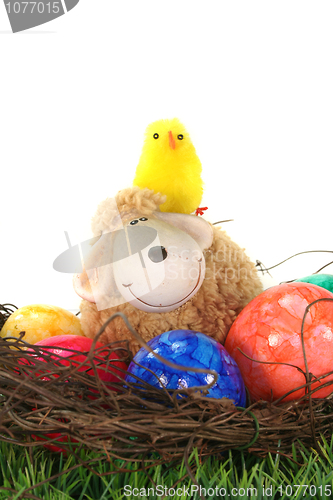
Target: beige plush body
231,281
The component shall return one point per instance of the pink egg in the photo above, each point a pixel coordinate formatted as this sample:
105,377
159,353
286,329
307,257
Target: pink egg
269,329
59,438
63,347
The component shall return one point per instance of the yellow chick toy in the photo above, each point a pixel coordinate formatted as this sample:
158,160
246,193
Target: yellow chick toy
170,165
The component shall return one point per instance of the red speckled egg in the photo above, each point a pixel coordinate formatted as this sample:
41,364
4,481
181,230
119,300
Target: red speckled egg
64,347
269,329
59,438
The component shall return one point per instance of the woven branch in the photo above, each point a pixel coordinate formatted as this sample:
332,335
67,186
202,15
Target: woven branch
126,420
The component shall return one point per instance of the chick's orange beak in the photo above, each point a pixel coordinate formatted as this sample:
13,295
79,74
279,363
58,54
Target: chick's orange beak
172,143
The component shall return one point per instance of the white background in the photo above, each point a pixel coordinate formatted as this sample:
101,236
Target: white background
251,80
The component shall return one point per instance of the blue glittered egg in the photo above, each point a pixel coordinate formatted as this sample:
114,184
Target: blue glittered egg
190,349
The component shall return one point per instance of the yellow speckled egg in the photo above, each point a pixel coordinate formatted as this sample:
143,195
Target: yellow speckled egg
40,321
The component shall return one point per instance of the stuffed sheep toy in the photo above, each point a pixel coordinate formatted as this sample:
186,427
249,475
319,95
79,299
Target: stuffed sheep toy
163,270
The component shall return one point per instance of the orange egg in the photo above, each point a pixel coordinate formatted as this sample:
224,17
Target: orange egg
269,329
40,321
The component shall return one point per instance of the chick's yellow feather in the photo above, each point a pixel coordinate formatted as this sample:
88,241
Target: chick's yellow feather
169,165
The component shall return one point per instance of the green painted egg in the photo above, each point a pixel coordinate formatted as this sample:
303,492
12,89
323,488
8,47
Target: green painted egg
323,280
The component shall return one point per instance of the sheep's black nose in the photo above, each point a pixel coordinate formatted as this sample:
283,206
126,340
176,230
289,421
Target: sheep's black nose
157,254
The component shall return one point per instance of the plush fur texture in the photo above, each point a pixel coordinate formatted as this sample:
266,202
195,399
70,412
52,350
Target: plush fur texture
169,165
231,281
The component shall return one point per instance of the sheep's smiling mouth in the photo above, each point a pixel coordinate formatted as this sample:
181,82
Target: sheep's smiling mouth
174,303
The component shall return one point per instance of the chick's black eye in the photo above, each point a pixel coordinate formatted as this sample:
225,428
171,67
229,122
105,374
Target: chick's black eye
156,136
133,222
180,137
143,218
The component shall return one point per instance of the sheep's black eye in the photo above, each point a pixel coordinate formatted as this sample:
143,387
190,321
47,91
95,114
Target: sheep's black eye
157,254
180,137
156,136
143,218
133,222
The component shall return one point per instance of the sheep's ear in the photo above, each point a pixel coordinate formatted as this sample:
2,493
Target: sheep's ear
96,282
200,230
82,286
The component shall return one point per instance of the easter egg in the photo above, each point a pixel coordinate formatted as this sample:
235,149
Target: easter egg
323,280
40,321
190,349
64,348
268,329
58,438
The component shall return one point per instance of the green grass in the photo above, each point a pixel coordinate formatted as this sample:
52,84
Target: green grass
20,475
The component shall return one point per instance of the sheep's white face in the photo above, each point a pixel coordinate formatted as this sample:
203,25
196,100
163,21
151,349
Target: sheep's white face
156,263
164,274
